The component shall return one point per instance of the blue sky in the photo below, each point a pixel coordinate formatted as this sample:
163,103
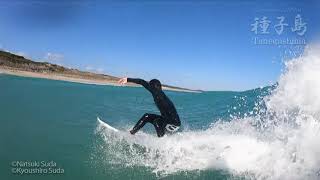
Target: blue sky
196,44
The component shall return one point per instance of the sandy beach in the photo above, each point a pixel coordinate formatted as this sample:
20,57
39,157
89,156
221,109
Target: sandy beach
75,79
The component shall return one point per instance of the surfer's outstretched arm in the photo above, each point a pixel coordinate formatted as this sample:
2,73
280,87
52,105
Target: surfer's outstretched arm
142,82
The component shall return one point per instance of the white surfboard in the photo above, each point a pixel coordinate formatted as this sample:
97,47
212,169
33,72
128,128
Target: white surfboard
107,125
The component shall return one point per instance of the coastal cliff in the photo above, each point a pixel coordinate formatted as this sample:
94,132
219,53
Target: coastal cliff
18,65
15,62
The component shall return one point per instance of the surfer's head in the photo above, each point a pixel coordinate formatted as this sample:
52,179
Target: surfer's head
155,84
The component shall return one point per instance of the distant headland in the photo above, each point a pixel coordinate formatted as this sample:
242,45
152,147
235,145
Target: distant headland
18,65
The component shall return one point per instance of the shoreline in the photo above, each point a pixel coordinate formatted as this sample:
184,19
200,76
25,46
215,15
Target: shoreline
59,77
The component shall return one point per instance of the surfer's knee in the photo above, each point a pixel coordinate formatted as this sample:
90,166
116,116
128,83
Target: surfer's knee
147,117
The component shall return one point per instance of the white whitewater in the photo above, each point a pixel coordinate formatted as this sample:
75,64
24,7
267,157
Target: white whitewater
287,146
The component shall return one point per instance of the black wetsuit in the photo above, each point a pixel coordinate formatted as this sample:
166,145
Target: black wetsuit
169,115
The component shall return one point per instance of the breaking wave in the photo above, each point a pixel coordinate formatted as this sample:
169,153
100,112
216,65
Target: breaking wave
280,142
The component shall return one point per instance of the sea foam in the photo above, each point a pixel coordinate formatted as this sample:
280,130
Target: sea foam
285,144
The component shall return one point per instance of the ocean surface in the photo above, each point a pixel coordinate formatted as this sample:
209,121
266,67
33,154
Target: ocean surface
265,133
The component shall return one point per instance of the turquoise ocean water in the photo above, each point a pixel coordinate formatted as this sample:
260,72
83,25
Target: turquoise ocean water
265,133
46,120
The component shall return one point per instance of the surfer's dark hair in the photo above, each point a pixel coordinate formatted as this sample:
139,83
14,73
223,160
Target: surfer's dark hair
155,83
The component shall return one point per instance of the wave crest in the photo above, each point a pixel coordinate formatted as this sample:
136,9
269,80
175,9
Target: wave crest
285,145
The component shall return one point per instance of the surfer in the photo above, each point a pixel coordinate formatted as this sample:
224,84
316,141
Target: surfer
168,120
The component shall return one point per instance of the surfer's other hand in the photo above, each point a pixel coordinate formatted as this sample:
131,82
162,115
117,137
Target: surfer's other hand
123,80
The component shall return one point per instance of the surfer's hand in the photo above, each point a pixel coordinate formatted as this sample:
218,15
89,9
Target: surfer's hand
123,81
